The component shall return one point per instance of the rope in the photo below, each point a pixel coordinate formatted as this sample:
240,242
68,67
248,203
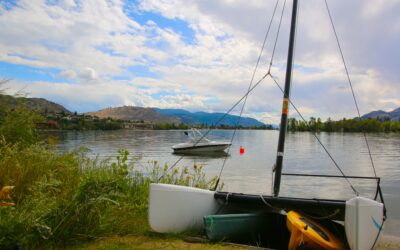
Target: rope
337,211
250,84
276,38
351,85
315,135
266,203
331,221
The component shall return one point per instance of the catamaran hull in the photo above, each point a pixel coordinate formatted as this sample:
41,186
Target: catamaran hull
363,222
363,218
175,209
335,209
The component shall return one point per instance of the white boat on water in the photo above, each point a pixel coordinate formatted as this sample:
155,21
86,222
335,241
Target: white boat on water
198,143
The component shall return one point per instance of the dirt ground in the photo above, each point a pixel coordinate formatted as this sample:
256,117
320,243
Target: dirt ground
148,242
389,243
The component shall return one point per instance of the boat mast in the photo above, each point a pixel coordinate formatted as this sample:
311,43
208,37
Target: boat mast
285,104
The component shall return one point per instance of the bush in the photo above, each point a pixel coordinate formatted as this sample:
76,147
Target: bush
18,126
69,197
65,198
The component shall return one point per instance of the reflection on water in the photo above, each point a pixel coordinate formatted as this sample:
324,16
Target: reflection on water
251,172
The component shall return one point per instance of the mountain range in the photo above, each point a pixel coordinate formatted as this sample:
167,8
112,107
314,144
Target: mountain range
209,119
153,115
157,115
393,115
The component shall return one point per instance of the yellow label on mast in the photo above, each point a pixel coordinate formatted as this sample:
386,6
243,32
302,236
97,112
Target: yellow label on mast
285,106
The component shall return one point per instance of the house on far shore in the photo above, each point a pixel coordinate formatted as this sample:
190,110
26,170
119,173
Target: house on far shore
130,124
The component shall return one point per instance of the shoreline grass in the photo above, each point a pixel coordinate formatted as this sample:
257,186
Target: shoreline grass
64,199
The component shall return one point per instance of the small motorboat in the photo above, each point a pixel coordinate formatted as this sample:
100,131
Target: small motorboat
198,143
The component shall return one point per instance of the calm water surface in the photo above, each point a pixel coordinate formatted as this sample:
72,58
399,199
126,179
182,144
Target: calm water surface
251,172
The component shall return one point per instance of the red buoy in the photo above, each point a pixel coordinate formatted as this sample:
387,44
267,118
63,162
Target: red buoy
241,150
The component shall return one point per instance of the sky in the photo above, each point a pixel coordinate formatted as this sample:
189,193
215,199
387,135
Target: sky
200,55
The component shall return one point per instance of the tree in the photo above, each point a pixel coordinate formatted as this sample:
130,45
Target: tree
318,125
18,126
395,126
328,126
292,124
312,124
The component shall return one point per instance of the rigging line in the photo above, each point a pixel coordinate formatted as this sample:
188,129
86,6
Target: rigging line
351,85
331,221
245,100
276,38
329,216
219,120
319,141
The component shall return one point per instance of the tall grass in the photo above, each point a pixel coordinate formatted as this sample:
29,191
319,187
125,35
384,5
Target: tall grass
69,197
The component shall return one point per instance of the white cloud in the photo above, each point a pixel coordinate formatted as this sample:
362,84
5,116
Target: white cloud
88,74
67,74
376,7
183,101
97,42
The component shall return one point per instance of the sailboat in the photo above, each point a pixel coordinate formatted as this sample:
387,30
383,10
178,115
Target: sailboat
355,223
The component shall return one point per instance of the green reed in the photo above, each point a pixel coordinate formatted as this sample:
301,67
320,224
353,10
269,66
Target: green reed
64,198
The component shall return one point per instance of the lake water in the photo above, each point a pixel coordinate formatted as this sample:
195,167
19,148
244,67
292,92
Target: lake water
251,172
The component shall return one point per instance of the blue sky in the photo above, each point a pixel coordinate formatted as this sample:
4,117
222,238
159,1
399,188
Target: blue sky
199,55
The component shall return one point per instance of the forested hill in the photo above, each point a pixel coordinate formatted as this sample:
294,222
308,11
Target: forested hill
393,115
376,121
131,113
39,105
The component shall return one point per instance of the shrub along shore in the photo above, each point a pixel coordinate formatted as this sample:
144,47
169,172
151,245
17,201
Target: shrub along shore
63,199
